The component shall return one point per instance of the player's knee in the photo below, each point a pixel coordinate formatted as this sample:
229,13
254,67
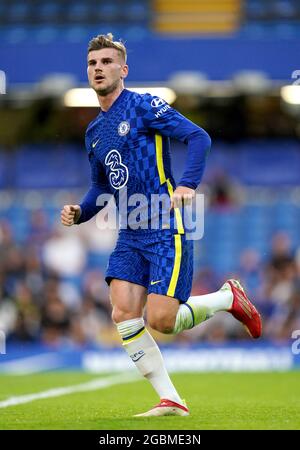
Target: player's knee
161,323
119,315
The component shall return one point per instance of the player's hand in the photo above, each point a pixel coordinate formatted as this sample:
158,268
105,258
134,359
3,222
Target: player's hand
182,196
70,214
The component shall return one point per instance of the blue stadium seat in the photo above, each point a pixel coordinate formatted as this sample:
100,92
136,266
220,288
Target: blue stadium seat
18,12
16,35
5,169
136,12
46,34
77,33
78,12
97,260
133,33
48,12
108,11
19,220
34,169
256,9
285,8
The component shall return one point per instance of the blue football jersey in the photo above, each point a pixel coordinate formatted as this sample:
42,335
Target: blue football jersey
129,153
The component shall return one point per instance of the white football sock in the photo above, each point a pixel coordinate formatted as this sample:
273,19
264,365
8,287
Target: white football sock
146,355
199,308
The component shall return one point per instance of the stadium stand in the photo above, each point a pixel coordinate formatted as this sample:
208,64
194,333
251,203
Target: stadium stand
230,226
252,215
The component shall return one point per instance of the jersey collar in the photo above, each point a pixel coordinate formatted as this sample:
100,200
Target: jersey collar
123,95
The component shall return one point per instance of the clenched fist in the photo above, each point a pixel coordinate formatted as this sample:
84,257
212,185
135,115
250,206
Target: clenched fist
182,196
70,214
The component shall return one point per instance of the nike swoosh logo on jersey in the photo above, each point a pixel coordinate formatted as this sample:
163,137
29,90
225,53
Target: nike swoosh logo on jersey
155,282
95,143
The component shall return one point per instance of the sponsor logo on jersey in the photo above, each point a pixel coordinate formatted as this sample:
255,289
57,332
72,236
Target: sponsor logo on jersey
162,110
123,128
157,102
118,176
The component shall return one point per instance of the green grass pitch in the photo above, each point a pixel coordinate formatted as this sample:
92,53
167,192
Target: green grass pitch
216,401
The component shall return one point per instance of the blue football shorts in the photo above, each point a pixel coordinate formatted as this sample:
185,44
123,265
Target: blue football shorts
160,261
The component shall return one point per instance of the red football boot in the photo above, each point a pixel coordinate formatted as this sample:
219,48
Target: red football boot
166,408
243,310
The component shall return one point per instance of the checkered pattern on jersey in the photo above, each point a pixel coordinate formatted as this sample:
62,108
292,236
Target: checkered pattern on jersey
136,148
141,116
143,152
145,160
108,127
162,117
131,113
142,146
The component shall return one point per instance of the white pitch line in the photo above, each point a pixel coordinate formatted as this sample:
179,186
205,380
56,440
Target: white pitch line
98,383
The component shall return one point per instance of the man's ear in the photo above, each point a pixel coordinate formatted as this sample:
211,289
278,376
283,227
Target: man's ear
124,72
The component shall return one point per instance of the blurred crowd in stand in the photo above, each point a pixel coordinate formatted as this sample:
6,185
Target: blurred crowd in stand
52,291
273,283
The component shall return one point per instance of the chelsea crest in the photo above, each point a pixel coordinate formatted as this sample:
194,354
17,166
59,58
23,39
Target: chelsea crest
123,128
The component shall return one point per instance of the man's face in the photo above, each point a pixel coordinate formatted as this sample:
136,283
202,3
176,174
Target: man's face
106,69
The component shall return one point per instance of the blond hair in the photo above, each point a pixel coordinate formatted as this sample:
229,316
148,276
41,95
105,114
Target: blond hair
107,41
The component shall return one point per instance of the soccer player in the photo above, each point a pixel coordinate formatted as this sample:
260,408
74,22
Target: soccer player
128,150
